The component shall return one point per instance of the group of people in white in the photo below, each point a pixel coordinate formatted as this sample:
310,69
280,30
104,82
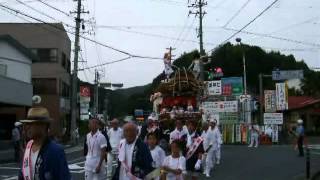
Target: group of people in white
190,152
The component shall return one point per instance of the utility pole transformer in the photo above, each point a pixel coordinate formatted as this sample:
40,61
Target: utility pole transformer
199,4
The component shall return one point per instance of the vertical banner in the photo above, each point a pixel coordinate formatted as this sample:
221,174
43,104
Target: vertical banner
84,102
275,133
244,133
281,96
270,101
233,133
214,88
238,133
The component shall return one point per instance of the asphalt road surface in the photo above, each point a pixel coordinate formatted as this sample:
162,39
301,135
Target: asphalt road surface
238,162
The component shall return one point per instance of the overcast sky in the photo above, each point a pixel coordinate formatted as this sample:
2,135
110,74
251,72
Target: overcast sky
155,25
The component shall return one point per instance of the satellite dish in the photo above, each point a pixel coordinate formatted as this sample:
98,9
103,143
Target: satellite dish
36,99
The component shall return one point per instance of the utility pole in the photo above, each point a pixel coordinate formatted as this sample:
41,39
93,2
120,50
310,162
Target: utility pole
199,4
96,92
74,98
170,52
244,66
261,91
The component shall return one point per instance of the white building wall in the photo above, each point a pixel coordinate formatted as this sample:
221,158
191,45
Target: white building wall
18,65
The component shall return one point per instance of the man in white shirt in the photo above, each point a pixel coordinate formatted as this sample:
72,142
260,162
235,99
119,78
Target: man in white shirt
210,145
135,160
115,135
254,136
95,159
179,133
215,128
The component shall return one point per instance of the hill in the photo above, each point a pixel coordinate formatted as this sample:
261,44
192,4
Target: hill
229,58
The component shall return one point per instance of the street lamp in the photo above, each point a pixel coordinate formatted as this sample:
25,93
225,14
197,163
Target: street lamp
244,66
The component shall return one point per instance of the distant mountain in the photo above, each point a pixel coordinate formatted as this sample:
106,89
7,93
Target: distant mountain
133,90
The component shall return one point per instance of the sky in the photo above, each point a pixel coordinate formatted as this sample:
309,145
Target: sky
148,27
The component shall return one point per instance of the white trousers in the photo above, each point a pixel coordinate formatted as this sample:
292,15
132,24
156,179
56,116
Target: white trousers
218,154
89,175
209,160
110,164
254,139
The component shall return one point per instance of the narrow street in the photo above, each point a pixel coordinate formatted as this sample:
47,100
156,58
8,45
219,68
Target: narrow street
239,162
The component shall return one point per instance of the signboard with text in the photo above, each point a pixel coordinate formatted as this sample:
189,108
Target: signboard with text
285,75
221,106
270,101
214,87
84,102
232,86
273,118
281,96
229,118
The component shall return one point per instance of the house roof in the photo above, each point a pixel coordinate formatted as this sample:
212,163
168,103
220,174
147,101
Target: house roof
13,42
297,102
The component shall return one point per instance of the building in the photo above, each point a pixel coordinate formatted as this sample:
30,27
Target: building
51,77
15,83
306,108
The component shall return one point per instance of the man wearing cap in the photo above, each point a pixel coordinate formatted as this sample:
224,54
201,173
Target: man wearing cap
16,139
43,159
300,135
97,147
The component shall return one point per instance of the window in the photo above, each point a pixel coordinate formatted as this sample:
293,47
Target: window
44,86
64,60
46,55
3,70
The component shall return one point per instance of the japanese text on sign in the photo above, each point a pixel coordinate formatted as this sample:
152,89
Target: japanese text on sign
273,118
221,106
214,87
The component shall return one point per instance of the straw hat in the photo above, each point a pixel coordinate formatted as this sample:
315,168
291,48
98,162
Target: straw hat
37,114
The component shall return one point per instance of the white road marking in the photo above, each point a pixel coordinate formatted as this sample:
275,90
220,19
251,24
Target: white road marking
74,167
10,168
11,178
77,172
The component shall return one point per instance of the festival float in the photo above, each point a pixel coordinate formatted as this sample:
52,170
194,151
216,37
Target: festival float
176,96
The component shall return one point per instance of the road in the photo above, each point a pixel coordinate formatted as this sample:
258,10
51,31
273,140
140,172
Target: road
238,162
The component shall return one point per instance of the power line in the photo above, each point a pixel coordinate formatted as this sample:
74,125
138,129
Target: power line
186,35
83,37
237,13
32,23
42,13
107,63
158,36
52,7
181,32
275,37
294,25
245,26
145,26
